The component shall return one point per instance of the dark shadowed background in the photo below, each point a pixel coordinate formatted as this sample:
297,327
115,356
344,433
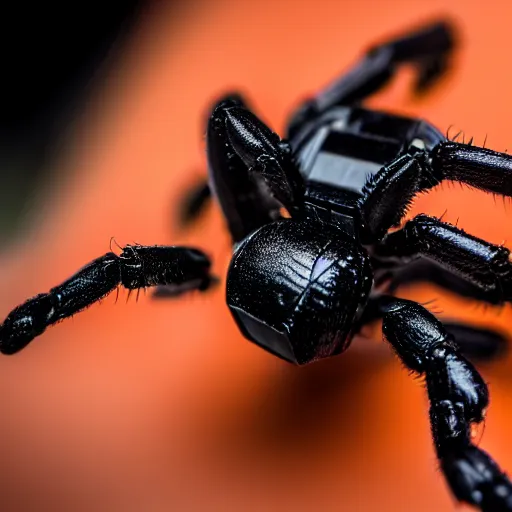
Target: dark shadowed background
153,406
53,57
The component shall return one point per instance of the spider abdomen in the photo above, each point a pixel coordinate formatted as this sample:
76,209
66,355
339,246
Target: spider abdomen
296,287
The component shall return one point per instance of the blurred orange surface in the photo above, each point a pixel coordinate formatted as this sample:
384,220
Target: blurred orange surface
162,405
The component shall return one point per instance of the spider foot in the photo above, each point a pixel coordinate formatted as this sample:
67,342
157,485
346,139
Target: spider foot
459,398
476,479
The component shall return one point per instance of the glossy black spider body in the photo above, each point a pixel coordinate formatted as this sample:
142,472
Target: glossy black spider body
313,272
302,285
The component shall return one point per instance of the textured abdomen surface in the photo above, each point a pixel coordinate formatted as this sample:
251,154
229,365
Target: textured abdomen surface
295,288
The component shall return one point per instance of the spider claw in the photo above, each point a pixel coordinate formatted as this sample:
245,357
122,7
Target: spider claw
475,478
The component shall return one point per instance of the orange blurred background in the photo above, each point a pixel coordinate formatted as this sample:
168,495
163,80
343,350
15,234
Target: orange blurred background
162,405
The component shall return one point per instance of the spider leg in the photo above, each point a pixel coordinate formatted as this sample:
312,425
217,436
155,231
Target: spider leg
428,49
251,170
422,270
478,344
172,291
388,193
458,398
193,203
136,267
485,265
477,167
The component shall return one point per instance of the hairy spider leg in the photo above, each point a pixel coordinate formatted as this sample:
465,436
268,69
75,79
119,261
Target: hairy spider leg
388,193
476,343
251,169
458,399
428,49
485,265
136,267
421,270
479,344
481,168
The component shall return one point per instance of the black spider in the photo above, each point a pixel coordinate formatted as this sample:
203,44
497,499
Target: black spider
301,287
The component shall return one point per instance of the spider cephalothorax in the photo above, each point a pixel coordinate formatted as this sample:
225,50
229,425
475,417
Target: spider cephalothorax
314,258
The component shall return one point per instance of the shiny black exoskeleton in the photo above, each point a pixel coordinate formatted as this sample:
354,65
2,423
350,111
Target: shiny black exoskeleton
314,259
